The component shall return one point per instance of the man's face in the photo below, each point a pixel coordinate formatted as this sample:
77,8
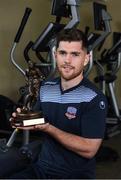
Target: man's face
71,59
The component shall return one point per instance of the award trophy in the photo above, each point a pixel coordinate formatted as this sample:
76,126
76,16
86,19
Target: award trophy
28,117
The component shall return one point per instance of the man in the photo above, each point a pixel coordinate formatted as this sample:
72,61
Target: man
75,111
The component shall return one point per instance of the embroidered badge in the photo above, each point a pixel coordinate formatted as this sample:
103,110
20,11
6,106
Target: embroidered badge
102,105
71,112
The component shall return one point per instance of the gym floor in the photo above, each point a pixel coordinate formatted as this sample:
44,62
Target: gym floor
109,160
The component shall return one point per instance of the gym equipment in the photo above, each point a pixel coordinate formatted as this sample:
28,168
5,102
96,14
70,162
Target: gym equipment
46,41
104,153
16,40
112,59
7,106
98,21
106,80
95,40
43,38
17,158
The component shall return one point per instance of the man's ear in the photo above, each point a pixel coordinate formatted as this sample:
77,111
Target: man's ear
87,57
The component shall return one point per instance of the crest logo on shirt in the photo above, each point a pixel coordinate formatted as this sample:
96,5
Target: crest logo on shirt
71,112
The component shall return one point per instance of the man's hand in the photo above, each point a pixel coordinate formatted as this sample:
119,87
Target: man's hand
14,114
42,127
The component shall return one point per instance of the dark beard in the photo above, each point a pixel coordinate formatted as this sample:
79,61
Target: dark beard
73,76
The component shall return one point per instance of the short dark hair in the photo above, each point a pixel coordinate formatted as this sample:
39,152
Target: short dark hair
70,35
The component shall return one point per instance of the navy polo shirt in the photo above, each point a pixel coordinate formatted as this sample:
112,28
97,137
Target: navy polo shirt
80,110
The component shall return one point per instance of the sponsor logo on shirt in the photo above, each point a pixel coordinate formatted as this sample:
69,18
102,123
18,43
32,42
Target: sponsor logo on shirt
71,112
102,105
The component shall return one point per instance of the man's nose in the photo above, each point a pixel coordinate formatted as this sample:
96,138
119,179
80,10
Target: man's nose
68,58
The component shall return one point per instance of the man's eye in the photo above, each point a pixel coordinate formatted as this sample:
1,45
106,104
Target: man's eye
75,54
62,52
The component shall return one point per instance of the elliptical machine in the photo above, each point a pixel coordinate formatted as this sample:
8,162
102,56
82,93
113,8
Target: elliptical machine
45,43
110,58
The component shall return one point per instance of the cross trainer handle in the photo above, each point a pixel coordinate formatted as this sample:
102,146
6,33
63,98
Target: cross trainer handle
22,25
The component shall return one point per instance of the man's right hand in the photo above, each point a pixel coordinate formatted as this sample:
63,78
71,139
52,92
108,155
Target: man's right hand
18,110
41,127
14,115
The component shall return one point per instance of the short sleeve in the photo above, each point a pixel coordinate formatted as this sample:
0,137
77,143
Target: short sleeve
94,118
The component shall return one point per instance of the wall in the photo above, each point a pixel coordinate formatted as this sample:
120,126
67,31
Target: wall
11,13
